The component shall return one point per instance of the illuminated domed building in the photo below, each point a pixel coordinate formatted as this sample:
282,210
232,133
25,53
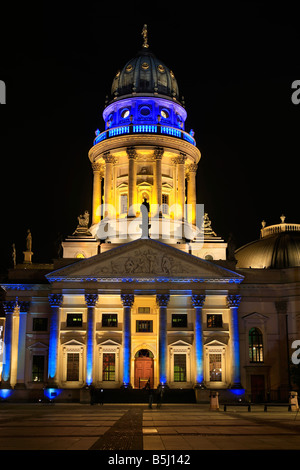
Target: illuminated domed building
146,290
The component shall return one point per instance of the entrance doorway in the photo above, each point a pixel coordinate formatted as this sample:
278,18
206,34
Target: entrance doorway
143,368
257,388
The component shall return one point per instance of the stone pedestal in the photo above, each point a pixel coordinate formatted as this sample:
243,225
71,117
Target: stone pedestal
27,257
294,401
214,401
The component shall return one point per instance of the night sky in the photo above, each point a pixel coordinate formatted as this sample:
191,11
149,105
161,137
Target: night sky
234,65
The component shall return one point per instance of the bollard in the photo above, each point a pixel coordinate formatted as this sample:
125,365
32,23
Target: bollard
214,401
294,401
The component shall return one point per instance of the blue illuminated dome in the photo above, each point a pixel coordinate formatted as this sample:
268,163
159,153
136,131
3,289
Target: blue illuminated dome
144,99
144,93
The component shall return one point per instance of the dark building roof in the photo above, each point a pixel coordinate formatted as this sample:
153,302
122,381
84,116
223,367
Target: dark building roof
278,250
145,74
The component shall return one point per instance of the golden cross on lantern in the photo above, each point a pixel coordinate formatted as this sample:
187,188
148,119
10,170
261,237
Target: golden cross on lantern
145,36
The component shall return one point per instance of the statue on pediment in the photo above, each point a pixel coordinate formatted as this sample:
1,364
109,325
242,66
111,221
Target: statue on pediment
82,227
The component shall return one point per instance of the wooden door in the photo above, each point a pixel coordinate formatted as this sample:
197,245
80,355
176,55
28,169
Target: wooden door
143,371
257,388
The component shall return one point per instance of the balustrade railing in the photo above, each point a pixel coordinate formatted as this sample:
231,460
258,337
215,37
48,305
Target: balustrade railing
144,129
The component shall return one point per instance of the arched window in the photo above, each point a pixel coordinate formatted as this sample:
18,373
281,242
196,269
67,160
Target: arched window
256,353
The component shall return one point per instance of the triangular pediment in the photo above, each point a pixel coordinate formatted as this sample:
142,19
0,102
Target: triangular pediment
38,345
109,342
145,259
254,316
73,342
180,343
217,342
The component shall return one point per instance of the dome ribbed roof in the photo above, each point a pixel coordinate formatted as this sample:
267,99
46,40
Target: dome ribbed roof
278,248
144,75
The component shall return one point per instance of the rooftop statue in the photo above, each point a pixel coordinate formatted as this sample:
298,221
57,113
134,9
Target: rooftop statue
83,223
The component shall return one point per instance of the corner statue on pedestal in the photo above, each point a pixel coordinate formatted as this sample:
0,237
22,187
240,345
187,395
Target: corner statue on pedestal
82,227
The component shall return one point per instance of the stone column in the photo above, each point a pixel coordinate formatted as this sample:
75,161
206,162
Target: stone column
181,185
96,215
131,181
20,379
108,176
90,300
127,300
2,338
55,301
162,300
191,195
158,154
233,302
11,308
198,301
283,346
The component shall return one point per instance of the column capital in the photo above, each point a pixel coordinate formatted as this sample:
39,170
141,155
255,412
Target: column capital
24,306
108,158
233,300
158,153
192,168
131,152
162,299
55,300
9,305
281,306
96,167
127,299
198,300
91,299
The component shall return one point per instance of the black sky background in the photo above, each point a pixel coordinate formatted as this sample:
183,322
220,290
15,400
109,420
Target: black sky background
234,65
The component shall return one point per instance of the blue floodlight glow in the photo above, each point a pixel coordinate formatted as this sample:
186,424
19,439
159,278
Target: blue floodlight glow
127,347
53,344
199,346
238,391
90,349
51,393
7,349
163,345
236,347
5,393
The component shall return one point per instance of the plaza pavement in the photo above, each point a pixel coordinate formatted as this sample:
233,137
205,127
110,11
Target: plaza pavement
173,427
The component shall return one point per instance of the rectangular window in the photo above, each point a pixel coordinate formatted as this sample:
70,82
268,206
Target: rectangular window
214,320
109,366
215,367
165,203
109,320
179,367
38,367
39,324
179,320
123,203
144,326
143,309
74,320
72,367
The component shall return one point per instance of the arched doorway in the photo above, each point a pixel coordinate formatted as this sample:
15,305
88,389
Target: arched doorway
143,368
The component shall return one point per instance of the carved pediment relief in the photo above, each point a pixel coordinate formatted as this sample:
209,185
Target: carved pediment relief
144,258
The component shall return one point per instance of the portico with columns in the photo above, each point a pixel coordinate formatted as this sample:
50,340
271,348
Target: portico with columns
158,315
